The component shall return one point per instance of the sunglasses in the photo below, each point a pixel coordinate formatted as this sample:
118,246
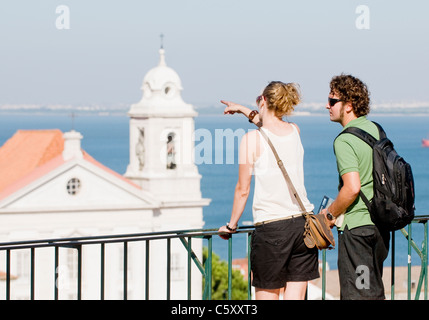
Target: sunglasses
332,102
258,99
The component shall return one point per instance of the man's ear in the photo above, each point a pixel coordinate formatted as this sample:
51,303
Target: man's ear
348,107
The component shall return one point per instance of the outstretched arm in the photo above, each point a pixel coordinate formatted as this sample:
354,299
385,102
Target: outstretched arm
232,107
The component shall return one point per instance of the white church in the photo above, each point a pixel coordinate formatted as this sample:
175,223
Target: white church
51,188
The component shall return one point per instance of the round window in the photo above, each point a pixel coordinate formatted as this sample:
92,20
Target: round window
73,186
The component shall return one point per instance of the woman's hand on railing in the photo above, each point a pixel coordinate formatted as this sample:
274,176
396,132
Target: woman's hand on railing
225,232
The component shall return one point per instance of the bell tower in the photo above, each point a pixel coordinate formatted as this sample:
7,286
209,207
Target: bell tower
161,138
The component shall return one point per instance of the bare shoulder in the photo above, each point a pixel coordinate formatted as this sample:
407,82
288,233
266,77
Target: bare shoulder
251,135
296,126
250,140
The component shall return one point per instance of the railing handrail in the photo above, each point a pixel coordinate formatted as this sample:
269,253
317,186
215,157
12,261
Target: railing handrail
195,233
169,233
421,218
118,238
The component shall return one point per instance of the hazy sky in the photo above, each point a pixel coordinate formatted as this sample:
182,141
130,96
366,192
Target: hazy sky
223,49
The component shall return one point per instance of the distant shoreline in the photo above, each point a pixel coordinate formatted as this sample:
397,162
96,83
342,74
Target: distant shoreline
380,108
69,113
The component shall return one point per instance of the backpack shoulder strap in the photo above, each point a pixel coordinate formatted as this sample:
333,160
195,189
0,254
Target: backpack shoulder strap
380,131
365,136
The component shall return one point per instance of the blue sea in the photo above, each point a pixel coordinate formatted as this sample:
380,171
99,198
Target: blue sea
106,138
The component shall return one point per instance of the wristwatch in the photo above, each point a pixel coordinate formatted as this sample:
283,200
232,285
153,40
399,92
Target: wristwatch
329,216
252,115
229,228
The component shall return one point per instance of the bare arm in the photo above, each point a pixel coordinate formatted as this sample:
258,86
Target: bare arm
242,188
232,107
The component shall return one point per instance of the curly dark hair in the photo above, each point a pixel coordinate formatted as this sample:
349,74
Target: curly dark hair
351,89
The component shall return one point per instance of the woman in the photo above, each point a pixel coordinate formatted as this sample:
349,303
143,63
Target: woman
279,257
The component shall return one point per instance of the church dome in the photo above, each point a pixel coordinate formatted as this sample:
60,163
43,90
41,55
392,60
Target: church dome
161,78
162,93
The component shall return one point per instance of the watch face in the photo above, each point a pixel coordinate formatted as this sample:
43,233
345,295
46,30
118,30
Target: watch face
329,216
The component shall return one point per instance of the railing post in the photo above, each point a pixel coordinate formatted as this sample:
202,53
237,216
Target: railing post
168,268
249,266
189,268
147,271
392,273
32,263
230,267
102,270
207,293
125,270
8,274
324,274
210,267
409,263
57,271
79,272
425,257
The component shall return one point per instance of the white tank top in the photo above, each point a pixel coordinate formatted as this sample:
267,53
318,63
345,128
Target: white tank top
272,198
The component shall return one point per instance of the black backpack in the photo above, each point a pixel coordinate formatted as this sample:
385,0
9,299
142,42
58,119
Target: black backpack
392,207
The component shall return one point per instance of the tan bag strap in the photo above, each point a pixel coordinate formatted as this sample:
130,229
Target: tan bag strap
285,174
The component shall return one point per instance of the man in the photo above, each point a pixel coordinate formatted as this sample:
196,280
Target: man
362,247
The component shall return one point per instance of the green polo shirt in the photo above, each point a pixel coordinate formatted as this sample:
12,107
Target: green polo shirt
355,155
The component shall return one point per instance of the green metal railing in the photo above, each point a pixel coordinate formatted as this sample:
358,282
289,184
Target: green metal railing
422,253
207,273
185,236
205,269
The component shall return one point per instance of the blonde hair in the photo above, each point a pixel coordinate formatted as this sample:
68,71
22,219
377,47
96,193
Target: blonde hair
282,97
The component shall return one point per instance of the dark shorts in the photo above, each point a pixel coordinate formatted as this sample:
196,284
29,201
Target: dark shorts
279,255
361,253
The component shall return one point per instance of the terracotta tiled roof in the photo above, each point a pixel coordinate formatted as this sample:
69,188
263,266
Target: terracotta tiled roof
26,151
30,154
